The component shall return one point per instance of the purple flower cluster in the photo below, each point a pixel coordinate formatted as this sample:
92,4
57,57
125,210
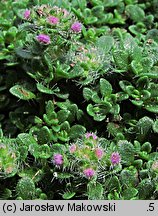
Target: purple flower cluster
89,172
27,14
53,20
58,159
73,148
45,39
99,153
76,27
115,158
42,38
88,135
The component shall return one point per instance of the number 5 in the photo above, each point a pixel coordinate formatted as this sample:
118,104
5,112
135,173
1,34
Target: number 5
151,206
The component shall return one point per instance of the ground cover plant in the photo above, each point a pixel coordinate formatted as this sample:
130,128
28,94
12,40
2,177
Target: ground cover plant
79,99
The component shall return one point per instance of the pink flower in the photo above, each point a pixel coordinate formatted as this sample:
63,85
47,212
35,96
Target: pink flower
42,38
72,148
89,173
115,158
88,135
58,159
53,20
99,153
65,12
27,14
76,27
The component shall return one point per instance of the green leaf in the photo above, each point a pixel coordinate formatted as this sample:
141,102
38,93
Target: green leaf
97,113
95,190
61,72
44,89
145,94
121,58
138,163
155,126
38,120
68,195
152,108
126,149
87,93
58,148
122,96
44,151
153,88
99,117
131,91
135,13
26,139
105,87
137,67
21,92
146,147
129,193
25,188
143,82
152,34
63,136
50,110
23,150
97,10
115,110
76,131
77,71
90,20
35,173
7,193
90,110
33,149
50,121
113,184
56,128
25,54
105,43
64,175
95,98
62,115
144,126
146,189
144,173
65,126
123,84
152,74
87,12
129,177
138,103
44,135
113,128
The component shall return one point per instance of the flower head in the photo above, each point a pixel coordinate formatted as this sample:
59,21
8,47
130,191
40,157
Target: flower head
72,148
88,135
27,14
42,38
99,153
58,159
53,20
115,158
89,172
76,27
65,12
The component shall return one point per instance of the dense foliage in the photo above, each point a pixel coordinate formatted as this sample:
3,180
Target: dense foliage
79,99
